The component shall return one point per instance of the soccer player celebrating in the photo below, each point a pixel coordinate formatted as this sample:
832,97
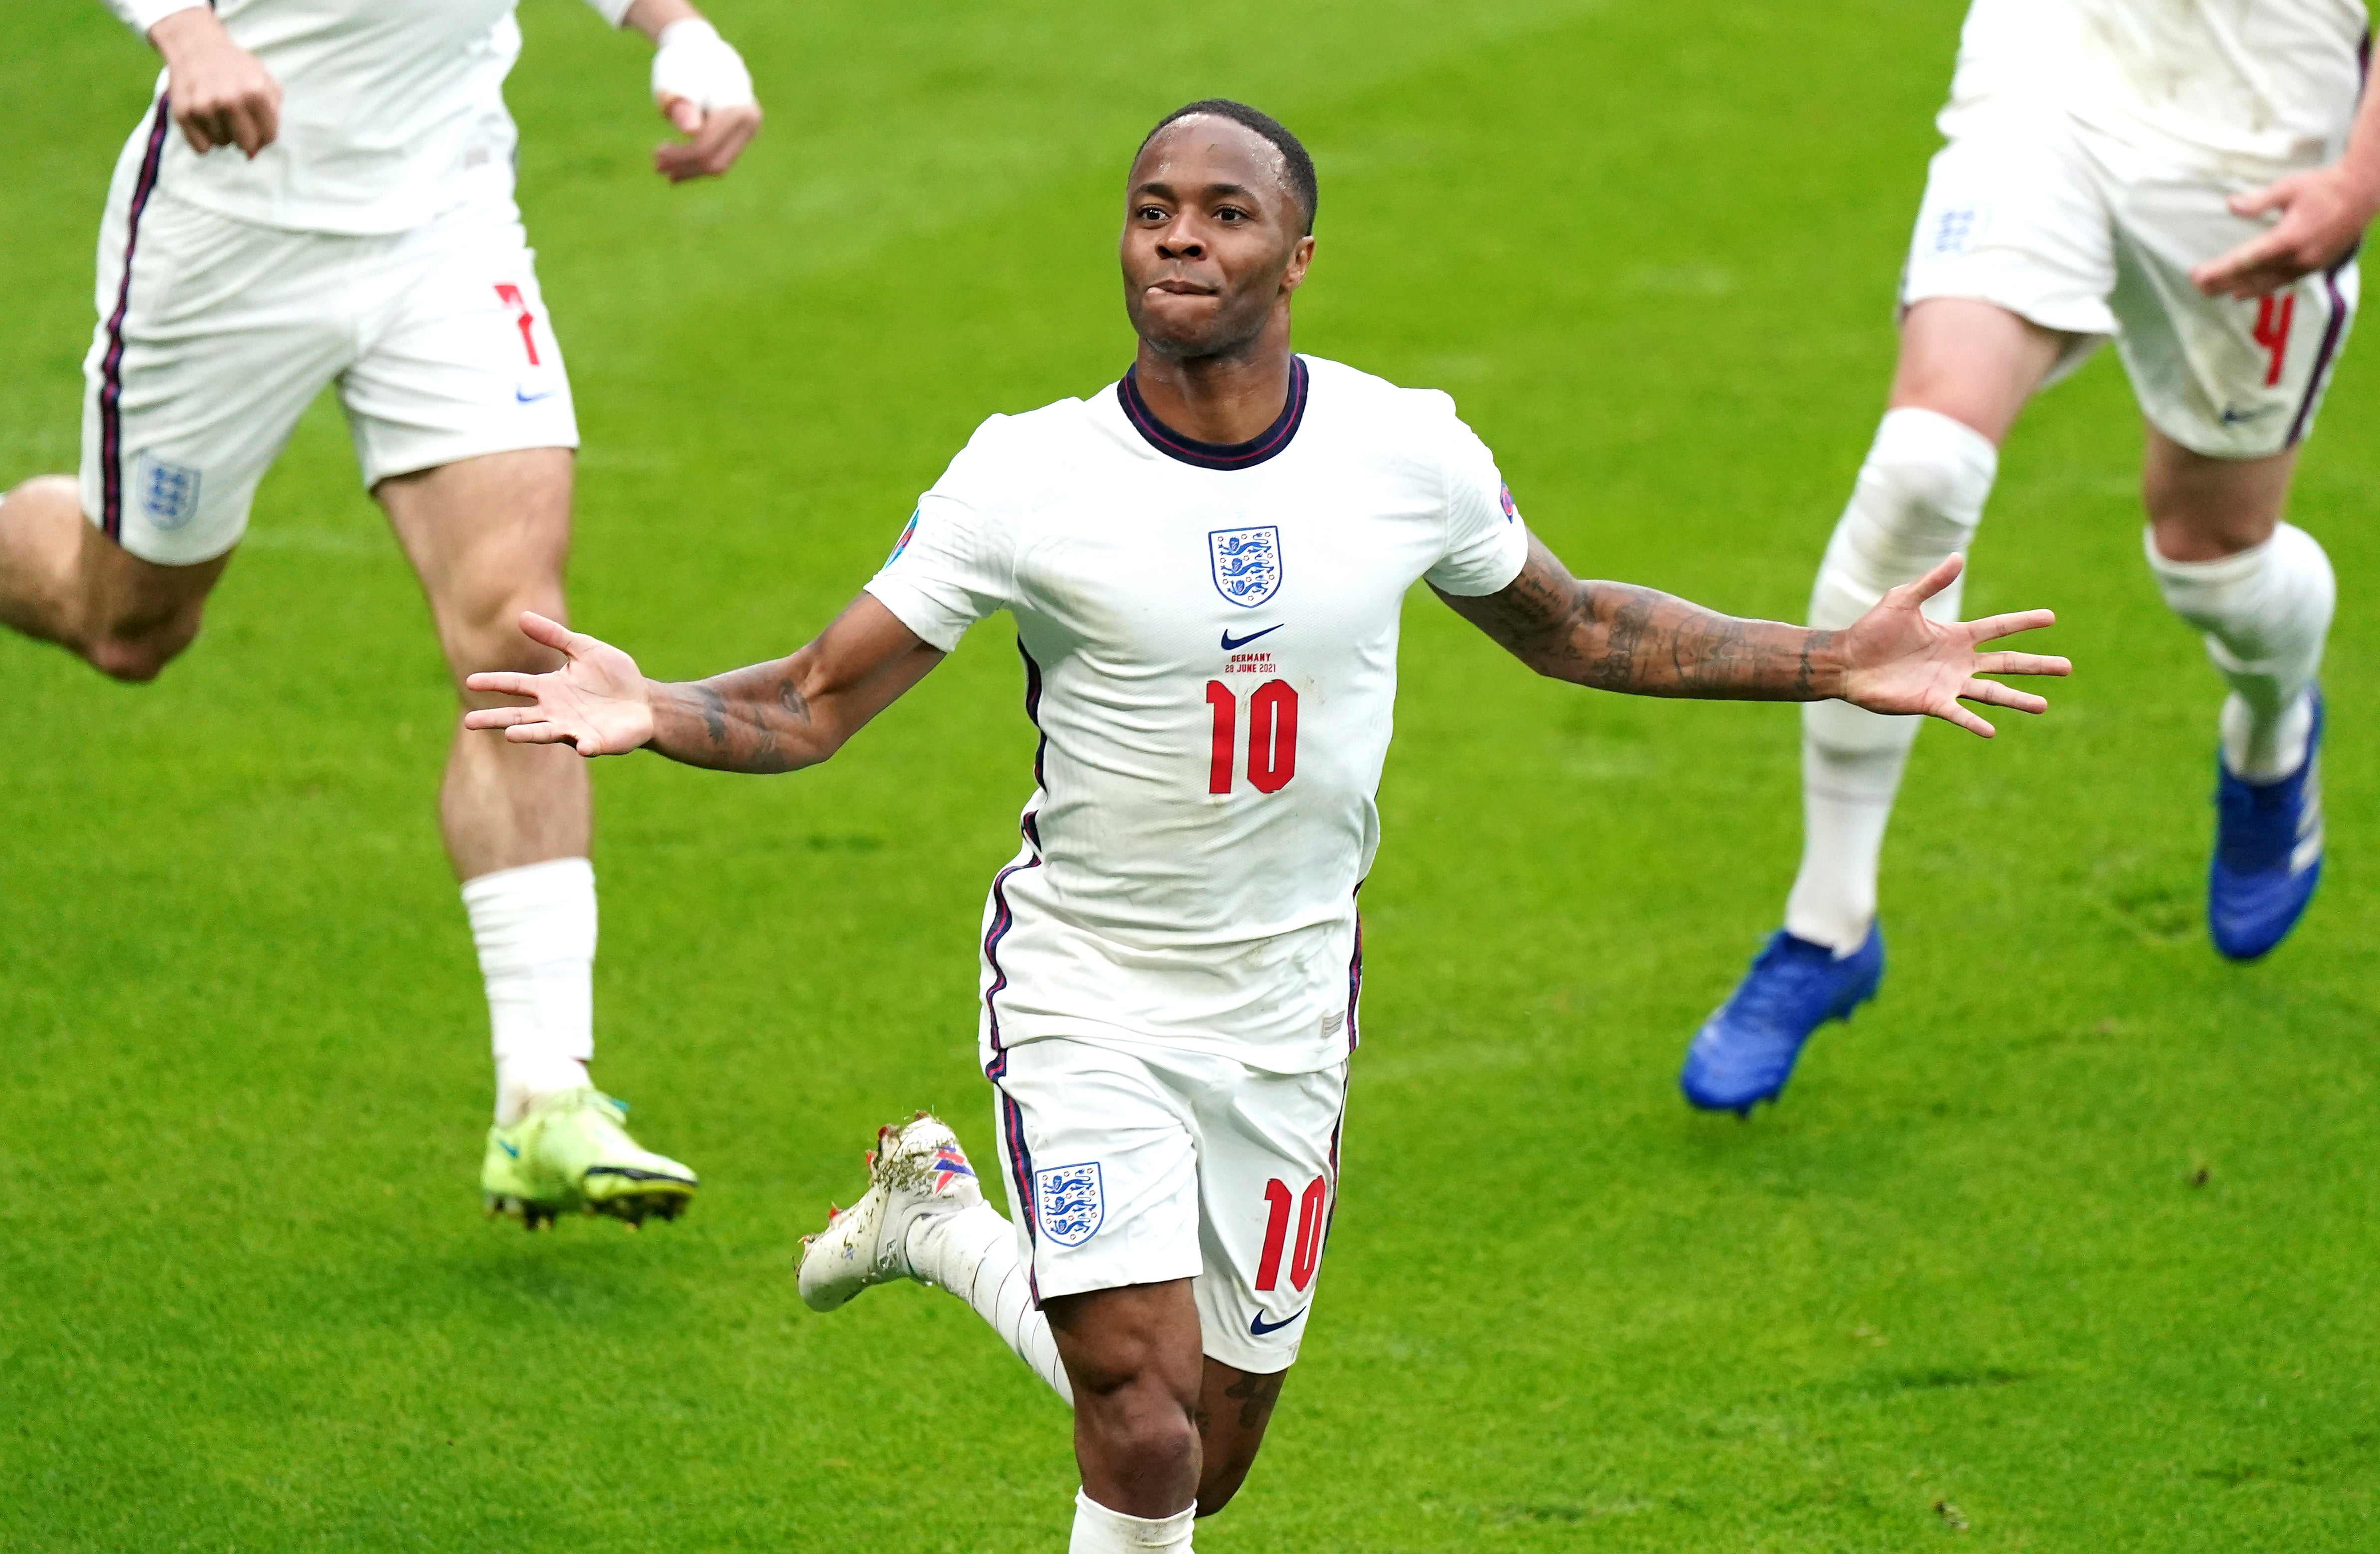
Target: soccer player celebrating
323,192
1206,563
2111,169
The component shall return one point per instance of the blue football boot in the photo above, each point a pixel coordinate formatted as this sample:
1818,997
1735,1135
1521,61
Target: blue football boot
1744,1053
2267,853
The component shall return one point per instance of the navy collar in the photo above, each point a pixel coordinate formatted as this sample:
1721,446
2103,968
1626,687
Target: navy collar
1216,456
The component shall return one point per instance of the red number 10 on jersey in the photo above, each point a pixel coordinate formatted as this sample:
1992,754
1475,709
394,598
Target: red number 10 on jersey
1272,737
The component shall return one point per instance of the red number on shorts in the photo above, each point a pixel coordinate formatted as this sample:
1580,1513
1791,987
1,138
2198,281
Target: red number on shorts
510,296
1307,1254
1272,737
1227,719
2273,312
1276,1232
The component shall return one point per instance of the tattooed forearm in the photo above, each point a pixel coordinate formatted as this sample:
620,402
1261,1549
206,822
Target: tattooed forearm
753,720
1620,638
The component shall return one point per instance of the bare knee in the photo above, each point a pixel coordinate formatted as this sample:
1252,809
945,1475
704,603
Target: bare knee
2204,508
1141,1426
139,657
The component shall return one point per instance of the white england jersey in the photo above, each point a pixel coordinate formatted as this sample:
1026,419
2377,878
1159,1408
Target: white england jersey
2243,87
1210,637
392,112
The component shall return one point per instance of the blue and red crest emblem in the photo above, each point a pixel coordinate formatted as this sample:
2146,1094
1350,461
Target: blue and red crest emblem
1069,1203
1504,498
1247,562
907,534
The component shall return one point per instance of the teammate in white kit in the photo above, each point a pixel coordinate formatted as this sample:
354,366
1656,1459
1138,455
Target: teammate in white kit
337,207
2114,168
1207,564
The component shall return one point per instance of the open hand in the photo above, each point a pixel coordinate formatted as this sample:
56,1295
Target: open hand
220,94
597,702
700,86
2323,213
1896,658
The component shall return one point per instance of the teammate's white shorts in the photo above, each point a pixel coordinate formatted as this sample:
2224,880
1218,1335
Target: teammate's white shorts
1132,1165
2063,225
214,334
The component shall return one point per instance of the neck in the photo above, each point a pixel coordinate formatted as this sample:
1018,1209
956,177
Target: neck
1225,398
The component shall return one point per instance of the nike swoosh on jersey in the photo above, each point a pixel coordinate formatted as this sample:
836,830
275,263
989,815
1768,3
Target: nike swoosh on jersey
1234,644
1259,1327
532,398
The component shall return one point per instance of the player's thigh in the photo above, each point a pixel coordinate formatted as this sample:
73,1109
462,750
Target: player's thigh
489,537
212,337
2009,270
1269,1185
459,359
2227,378
1100,1161
459,404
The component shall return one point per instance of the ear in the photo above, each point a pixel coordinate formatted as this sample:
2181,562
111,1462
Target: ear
1301,256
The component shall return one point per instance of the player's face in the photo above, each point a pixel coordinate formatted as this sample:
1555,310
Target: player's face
1213,240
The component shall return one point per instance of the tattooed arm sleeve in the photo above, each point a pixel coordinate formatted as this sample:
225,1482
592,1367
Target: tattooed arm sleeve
1616,637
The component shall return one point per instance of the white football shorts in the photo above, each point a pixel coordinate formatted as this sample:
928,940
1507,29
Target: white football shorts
1137,1165
2075,230
214,334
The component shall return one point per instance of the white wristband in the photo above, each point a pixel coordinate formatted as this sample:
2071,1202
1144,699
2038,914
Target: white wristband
692,61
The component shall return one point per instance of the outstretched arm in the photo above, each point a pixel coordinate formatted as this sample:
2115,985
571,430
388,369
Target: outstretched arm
1616,637
771,717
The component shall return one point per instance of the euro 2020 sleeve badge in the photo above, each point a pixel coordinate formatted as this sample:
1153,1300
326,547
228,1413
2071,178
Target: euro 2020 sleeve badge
1068,1203
1247,564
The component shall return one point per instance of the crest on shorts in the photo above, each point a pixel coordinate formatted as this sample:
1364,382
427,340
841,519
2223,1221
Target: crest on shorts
1248,563
1957,228
168,492
1069,1203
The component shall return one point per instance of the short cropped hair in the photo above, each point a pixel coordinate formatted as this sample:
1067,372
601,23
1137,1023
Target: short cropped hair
1297,165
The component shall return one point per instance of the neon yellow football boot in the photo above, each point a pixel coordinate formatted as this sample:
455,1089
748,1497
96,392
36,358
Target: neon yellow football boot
571,1153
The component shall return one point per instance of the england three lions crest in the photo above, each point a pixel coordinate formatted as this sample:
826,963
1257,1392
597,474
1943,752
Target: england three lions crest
1247,562
1069,1203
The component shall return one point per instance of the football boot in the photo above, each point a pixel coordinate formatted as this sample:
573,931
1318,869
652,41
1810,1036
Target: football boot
2268,852
916,1169
571,1153
1744,1052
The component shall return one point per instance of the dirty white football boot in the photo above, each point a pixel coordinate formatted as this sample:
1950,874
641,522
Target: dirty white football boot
916,1169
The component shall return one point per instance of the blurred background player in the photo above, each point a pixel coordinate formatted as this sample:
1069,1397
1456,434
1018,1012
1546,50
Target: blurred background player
323,192
1207,562
2114,168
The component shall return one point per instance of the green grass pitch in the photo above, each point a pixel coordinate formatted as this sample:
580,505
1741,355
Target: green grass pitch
2068,1243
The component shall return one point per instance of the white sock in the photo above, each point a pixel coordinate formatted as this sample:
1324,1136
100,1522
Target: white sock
2265,613
973,1254
1919,498
1846,803
535,930
1098,1530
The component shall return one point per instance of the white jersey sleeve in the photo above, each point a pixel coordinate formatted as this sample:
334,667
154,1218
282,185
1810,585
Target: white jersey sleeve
1486,541
613,11
955,562
142,15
